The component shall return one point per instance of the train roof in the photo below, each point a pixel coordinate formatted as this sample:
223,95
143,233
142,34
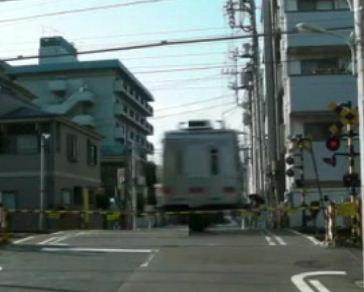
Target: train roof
188,132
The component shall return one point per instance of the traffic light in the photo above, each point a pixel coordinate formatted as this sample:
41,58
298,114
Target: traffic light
290,161
333,143
351,180
290,172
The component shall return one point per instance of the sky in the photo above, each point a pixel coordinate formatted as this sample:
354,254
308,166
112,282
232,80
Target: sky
187,81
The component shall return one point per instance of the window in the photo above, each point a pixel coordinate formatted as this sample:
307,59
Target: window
72,147
26,144
325,5
317,131
317,5
91,153
341,4
179,162
214,161
9,199
131,135
325,66
66,196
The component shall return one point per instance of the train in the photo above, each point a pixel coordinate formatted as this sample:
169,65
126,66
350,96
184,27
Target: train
201,171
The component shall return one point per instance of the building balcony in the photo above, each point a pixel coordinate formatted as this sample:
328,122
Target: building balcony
140,124
149,147
313,93
325,19
84,120
119,133
57,86
133,98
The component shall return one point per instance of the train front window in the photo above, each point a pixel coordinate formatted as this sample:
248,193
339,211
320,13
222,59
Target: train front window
214,161
179,162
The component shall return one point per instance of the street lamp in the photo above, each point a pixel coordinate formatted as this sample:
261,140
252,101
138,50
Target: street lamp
43,138
314,28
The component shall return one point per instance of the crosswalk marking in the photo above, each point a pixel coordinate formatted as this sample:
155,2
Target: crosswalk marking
269,240
273,239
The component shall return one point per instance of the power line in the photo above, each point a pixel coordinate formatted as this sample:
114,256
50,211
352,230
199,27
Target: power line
79,10
193,103
160,44
191,111
180,70
186,88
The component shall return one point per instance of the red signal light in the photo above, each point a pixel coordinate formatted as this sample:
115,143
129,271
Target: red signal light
333,143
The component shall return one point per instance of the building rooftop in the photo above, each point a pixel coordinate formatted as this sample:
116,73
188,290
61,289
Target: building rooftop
26,113
79,66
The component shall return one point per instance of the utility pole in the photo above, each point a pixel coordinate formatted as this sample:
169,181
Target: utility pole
359,36
43,138
133,188
270,85
248,25
259,113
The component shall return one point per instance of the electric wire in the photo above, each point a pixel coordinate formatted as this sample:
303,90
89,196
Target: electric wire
191,111
193,103
177,42
79,10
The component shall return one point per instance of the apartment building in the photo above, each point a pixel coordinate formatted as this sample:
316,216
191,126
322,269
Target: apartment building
306,71
98,94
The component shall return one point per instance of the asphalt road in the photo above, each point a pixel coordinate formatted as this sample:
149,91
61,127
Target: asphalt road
169,259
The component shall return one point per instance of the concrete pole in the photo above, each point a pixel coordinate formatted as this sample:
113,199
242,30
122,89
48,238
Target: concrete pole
133,189
258,102
359,36
270,100
41,193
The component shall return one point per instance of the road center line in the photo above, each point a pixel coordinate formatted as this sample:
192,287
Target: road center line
317,284
103,250
23,240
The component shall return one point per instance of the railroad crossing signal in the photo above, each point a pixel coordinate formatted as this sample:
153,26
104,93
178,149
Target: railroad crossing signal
351,180
290,171
333,143
346,113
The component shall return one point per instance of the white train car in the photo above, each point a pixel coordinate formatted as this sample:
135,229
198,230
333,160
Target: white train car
201,169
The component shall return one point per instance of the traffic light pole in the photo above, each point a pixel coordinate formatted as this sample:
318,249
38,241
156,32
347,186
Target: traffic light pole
302,178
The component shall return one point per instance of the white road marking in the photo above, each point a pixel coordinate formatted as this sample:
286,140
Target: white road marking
58,233
104,250
149,259
317,284
278,238
299,282
1,268
310,238
48,240
269,240
23,240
